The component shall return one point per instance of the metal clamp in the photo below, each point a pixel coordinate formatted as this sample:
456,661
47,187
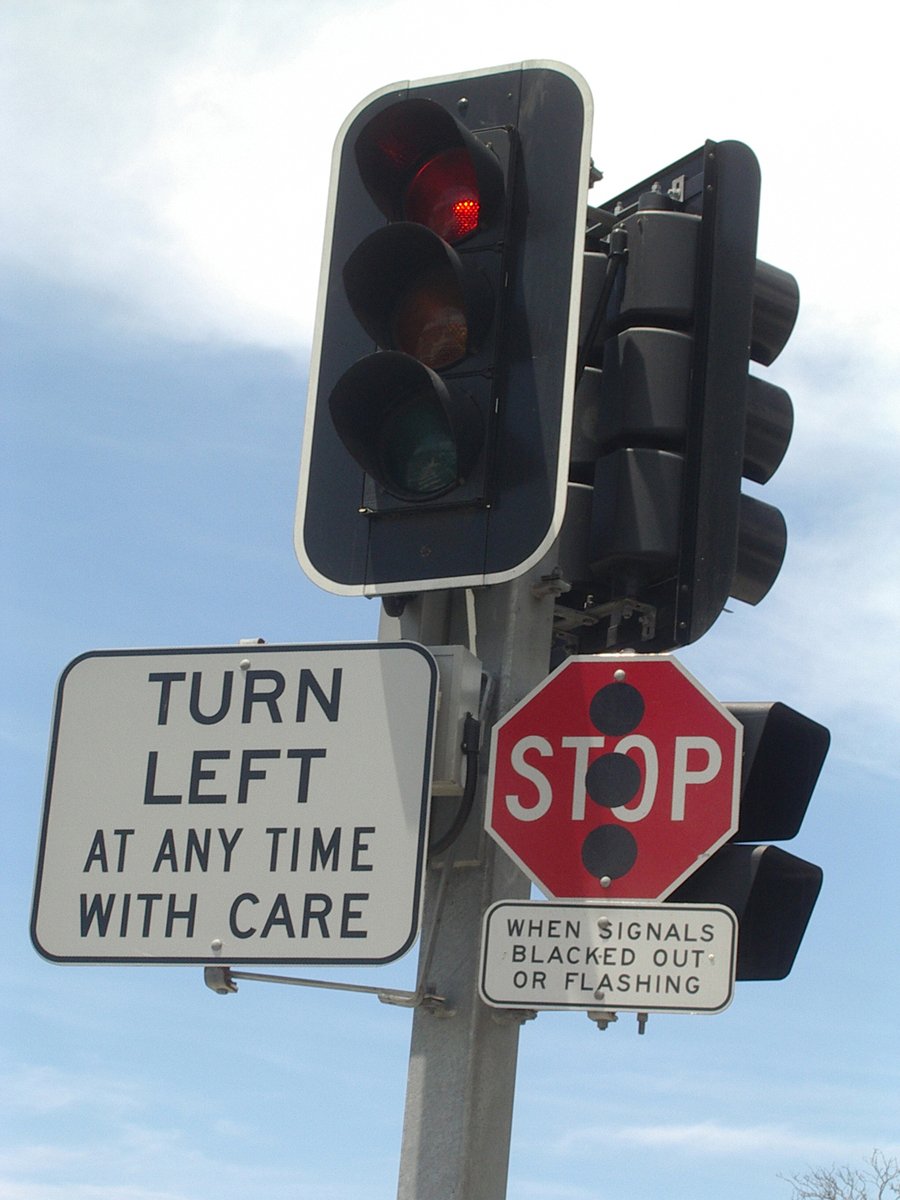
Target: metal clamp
604,1019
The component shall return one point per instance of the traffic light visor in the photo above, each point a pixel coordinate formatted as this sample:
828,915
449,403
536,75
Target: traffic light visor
419,164
411,292
416,436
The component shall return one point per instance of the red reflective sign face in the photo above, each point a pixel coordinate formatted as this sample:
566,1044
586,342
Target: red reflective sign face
443,196
616,777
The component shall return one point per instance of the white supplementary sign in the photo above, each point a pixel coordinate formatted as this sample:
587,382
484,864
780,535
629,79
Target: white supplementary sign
241,804
612,955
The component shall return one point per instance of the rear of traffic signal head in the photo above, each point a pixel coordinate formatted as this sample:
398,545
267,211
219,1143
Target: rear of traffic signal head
668,419
443,367
771,892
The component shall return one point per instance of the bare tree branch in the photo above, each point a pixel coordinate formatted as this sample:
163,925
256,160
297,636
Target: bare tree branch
879,1180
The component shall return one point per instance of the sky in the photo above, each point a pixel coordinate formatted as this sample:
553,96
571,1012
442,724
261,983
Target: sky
161,226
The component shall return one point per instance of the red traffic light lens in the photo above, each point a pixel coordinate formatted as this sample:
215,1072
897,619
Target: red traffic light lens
429,321
443,195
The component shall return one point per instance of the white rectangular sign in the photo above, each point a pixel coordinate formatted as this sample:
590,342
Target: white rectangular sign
241,804
609,955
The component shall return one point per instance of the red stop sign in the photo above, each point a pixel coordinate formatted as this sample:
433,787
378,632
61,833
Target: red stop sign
617,776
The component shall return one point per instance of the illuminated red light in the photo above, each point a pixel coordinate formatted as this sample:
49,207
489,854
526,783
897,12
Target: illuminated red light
444,197
466,214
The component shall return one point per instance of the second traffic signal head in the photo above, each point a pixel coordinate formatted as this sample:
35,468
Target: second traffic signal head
677,306
443,370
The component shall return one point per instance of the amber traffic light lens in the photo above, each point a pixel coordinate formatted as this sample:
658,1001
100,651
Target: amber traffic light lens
430,320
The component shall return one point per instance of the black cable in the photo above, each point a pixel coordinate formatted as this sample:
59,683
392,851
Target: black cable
617,251
471,745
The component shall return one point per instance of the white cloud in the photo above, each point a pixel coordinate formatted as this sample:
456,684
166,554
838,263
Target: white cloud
39,1089
822,640
704,1138
109,1165
176,158
543,1189
21,1190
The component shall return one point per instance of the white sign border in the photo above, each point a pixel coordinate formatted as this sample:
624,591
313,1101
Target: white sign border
239,651
545,908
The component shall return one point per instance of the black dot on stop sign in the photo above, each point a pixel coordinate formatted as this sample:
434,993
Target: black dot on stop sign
609,851
612,780
616,709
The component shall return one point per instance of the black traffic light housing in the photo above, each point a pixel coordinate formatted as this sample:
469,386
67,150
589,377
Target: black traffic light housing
668,419
771,891
444,358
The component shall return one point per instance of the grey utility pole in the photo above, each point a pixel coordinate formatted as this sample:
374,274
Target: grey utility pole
462,1063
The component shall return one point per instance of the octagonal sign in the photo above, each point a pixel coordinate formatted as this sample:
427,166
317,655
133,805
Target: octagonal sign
618,776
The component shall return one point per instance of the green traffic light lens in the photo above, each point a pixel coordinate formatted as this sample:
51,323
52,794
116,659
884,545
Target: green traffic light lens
417,435
417,449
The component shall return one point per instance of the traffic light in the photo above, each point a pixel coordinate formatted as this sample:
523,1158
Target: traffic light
771,892
668,419
443,366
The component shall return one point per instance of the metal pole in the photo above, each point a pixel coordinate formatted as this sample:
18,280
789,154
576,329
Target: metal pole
462,1063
